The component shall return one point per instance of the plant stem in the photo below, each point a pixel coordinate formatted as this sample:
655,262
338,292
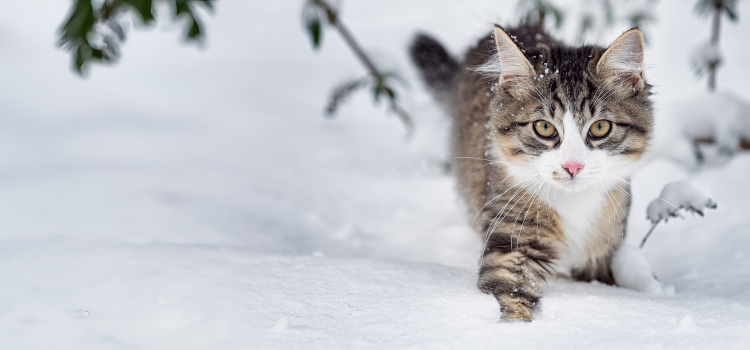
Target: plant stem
715,27
365,60
653,226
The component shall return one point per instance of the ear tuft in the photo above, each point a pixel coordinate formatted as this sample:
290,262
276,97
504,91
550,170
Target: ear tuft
513,63
624,58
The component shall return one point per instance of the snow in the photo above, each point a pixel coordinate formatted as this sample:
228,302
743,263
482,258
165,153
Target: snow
199,199
677,195
631,269
705,55
722,116
199,297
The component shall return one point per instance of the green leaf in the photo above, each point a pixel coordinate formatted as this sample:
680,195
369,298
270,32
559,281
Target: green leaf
194,31
391,94
377,89
181,7
98,54
731,14
559,17
80,22
79,29
143,8
81,56
314,27
312,17
75,32
342,92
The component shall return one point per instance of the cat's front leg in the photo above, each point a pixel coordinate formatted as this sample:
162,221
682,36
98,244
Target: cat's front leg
515,278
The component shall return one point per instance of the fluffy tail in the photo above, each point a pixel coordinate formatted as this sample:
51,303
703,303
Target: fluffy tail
436,65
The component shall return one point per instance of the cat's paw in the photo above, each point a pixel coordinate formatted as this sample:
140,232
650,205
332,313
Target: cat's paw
515,308
631,270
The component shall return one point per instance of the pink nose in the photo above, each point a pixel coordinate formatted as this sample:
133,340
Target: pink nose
573,168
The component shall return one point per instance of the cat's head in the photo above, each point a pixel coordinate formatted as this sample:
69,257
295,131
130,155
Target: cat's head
578,117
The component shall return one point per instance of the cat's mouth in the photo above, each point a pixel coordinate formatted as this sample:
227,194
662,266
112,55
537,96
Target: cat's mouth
572,183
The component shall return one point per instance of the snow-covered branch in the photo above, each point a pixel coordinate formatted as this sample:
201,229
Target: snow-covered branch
675,196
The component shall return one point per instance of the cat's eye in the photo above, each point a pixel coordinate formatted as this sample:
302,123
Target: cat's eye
600,129
544,129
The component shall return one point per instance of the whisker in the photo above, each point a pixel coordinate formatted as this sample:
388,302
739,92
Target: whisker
488,160
498,196
618,185
496,222
611,198
491,227
533,196
519,213
636,163
609,234
538,203
609,216
547,207
621,179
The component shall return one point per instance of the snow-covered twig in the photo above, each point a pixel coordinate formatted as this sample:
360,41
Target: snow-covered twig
675,196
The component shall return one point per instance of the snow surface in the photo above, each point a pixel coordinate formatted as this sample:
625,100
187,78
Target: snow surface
198,199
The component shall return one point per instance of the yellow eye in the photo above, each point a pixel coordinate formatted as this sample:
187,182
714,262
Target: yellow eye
544,128
600,128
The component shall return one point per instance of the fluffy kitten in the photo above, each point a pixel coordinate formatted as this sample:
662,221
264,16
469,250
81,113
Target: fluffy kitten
545,138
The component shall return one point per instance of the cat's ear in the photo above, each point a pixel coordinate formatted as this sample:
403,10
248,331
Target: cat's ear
513,63
623,60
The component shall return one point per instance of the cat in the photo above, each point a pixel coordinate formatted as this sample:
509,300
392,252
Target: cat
545,138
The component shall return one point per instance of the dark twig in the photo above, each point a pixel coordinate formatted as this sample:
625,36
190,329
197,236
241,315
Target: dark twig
376,74
653,226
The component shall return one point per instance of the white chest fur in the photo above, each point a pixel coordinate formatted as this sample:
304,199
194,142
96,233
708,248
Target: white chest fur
579,212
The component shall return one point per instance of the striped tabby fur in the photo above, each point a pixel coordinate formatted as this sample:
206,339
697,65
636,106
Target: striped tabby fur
538,211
